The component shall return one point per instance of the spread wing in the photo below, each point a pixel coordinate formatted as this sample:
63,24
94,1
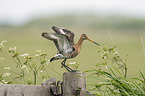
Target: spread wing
69,34
61,42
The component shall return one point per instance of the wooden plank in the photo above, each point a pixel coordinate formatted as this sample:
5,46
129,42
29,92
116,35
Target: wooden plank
24,90
74,84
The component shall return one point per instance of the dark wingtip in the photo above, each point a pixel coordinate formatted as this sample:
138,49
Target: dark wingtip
52,59
53,27
43,34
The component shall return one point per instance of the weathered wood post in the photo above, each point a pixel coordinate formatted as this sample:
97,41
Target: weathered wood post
27,90
72,81
74,84
24,90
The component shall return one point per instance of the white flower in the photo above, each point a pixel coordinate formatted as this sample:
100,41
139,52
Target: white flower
37,55
23,67
7,68
12,49
24,55
104,57
38,51
1,45
6,74
41,71
72,63
106,67
106,52
115,53
4,41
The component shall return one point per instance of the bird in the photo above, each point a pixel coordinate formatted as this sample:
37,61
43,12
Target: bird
64,42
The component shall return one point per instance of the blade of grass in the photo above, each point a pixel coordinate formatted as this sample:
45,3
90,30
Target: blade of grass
138,79
142,75
117,70
139,88
111,90
112,71
126,93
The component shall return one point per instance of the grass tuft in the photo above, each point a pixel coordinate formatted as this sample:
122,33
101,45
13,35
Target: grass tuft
113,72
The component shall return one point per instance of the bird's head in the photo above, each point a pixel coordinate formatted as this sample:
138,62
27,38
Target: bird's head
85,37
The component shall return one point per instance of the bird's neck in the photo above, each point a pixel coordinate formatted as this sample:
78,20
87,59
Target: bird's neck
79,44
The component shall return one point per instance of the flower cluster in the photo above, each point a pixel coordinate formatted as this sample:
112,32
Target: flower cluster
25,63
72,63
3,78
7,68
106,52
2,44
41,56
13,51
26,56
75,65
6,74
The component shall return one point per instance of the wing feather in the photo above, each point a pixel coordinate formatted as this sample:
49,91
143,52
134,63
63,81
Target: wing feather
69,34
61,42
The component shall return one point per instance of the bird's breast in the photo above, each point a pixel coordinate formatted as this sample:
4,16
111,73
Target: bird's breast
75,52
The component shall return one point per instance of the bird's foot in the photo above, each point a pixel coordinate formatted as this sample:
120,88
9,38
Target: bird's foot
69,69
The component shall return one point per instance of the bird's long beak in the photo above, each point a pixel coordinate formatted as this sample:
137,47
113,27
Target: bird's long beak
93,42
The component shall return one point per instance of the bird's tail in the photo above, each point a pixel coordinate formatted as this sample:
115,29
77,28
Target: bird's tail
53,59
57,57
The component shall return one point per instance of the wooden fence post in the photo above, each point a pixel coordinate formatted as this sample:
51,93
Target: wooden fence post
72,81
74,84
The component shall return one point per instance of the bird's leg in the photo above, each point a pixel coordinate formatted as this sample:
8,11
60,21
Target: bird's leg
63,64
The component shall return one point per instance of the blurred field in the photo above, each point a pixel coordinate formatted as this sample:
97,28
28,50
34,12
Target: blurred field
28,39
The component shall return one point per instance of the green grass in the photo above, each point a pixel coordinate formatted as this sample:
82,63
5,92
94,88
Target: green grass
111,76
27,40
